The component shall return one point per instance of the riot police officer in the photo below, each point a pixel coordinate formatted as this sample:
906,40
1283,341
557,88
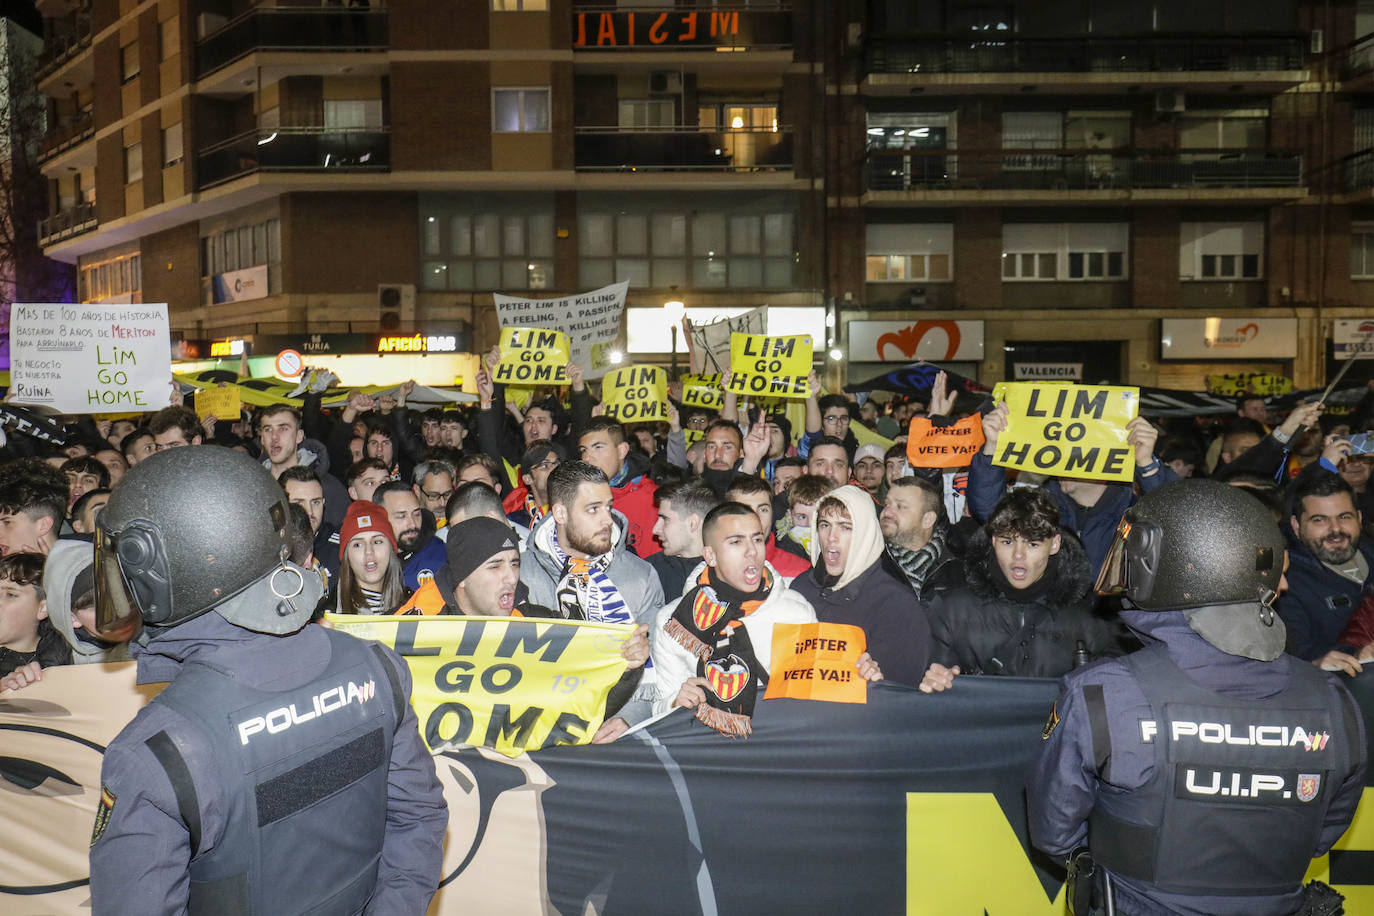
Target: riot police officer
1205,771
281,770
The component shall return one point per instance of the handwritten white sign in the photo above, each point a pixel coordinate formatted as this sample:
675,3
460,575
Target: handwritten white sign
591,321
90,358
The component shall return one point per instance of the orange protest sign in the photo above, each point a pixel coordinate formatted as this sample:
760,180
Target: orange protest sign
931,446
816,661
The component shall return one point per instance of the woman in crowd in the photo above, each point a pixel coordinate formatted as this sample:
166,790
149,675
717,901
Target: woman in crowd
369,570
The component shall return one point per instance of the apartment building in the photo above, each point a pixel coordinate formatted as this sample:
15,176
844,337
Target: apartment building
328,174
1144,193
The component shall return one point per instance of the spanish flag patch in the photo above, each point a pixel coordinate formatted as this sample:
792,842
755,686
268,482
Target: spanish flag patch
102,813
1051,722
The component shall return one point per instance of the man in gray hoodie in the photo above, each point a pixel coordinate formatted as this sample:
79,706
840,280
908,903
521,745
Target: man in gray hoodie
577,564
69,584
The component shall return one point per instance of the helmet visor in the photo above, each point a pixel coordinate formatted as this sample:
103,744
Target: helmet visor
1112,579
116,608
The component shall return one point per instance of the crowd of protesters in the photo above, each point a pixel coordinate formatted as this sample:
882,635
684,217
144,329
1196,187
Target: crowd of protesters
552,509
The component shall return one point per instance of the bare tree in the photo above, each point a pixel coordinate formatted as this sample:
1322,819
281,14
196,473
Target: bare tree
25,274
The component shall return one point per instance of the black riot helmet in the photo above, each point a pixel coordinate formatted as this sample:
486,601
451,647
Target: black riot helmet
200,528
1209,550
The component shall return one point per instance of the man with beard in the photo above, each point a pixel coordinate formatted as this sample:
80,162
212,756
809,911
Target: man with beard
830,459
1330,569
602,444
284,446
576,563
917,534
420,551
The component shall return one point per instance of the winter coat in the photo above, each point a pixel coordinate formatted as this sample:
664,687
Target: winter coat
1319,601
635,579
66,560
673,664
984,629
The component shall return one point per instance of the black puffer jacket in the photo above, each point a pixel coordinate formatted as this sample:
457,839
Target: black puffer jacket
987,627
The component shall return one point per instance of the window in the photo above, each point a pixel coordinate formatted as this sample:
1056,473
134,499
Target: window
114,277
352,114
646,113
510,6
133,163
906,253
716,245
1223,130
243,246
171,145
1023,130
520,110
128,61
1362,251
1221,251
169,37
1065,251
499,242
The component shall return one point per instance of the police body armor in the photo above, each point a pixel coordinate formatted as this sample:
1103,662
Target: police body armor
305,786
1239,789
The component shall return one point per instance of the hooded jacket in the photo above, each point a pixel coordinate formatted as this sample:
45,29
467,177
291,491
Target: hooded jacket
867,594
673,664
986,627
634,578
66,560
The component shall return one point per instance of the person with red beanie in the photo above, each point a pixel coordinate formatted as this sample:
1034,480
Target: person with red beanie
369,570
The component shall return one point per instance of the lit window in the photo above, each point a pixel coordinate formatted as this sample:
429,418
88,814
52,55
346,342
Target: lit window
520,110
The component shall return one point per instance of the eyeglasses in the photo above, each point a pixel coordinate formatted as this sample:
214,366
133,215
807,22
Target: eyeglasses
548,464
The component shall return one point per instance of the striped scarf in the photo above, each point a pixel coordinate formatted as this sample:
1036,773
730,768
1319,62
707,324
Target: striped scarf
536,511
917,564
584,591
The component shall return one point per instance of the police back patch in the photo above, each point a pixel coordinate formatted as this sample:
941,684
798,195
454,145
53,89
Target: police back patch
1051,722
102,813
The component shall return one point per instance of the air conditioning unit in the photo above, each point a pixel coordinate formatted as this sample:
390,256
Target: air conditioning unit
1316,42
396,306
207,23
1169,101
665,82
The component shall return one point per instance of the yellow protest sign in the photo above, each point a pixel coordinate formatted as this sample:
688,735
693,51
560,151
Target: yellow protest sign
635,393
224,403
766,366
533,356
702,391
1264,384
693,436
817,661
1068,430
511,684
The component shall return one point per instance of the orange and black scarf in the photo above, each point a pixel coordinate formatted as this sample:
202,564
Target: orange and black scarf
708,622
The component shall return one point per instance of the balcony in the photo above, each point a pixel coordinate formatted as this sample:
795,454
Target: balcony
64,136
292,29
1357,171
66,42
295,149
1108,175
66,224
612,149
727,25
1357,62
1256,61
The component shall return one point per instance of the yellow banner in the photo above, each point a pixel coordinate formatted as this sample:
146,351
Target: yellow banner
533,356
1259,383
765,366
225,403
635,394
702,391
1068,430
511,684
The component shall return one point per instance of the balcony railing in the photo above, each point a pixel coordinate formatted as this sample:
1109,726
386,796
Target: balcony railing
64,44
293,29
1079,170
65,136
1358,57
1000,52
295,149
735,25
66,224
612,149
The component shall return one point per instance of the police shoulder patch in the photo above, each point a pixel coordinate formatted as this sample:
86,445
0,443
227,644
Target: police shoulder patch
102,813
1051,722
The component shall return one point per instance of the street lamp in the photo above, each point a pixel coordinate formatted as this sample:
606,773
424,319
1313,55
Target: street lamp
674,309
